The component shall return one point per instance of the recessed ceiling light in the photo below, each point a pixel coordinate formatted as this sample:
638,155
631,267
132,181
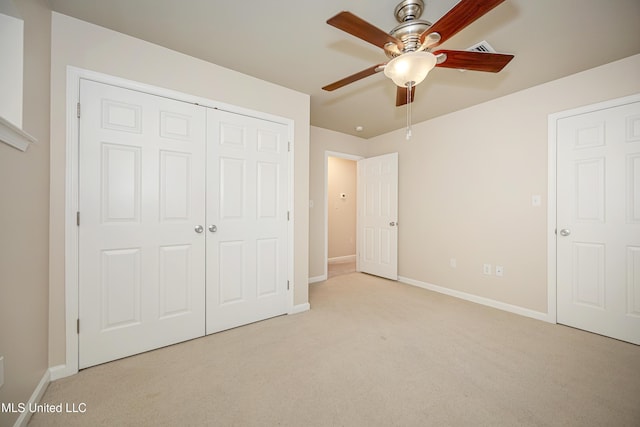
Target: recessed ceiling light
359,128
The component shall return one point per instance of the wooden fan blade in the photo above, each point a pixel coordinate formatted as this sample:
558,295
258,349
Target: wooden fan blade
476,61
354,77
347,21
461,15
401,95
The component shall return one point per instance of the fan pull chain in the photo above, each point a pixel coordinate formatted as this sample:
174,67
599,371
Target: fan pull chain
409,87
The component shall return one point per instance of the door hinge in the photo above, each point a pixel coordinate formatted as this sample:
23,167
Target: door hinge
78,110
288,145
287,285
288,215
78,325
78,219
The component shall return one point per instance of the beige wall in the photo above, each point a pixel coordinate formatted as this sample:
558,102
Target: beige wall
24,224
466,181
342,211
323,140
87,46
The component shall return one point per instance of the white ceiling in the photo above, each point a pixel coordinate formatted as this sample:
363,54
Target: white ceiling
288,42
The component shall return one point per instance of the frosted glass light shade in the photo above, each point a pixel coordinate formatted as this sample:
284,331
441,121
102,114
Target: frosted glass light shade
410,67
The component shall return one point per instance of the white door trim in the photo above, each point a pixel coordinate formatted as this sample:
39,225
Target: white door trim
552,193
74,75
328,154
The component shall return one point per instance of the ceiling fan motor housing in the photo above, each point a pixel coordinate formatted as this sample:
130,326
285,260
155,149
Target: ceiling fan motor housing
407,13
408,10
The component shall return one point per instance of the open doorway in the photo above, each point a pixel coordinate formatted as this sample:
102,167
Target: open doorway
341,215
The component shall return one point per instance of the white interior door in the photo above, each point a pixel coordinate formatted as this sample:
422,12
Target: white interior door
378,216
246,220
141,184
598,220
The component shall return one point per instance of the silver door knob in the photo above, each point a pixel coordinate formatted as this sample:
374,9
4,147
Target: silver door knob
565,232
213,228
392,224
199,229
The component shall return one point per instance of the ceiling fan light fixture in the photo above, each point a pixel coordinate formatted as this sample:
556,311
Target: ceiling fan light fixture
410,68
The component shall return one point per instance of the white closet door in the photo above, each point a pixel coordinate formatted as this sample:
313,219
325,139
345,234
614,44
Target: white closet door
378,215
246,220
142,168
598,217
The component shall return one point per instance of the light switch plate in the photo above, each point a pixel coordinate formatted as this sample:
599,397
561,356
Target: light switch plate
486,269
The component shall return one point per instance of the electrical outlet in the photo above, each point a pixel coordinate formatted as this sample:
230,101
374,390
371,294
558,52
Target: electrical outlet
486,269
453,263
499,270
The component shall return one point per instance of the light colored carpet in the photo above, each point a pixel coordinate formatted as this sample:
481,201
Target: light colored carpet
370,352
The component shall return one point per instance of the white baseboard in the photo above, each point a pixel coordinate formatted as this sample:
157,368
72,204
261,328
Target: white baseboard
346,258
477,299
37,394
61,371
317,279
300,308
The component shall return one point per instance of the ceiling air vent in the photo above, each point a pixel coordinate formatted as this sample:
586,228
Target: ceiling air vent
483,46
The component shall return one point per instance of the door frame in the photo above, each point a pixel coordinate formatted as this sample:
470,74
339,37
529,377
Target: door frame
552,195
346,156
71,297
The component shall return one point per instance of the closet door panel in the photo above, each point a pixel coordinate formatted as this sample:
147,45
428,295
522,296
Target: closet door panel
141,194
247,197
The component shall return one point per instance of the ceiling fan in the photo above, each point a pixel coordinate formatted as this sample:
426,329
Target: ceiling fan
410,45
